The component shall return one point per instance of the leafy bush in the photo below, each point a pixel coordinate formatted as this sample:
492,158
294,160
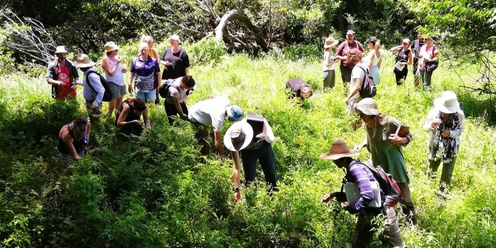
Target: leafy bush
205,51
295,52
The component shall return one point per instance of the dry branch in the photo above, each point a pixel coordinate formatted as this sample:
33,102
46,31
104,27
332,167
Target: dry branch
220,30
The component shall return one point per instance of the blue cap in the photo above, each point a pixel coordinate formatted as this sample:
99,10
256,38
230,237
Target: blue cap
235,113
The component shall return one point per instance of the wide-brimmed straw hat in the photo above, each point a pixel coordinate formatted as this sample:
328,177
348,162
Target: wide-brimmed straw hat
338,150
238,136
447,103
60,49
111,46
368,106
83,61
330,42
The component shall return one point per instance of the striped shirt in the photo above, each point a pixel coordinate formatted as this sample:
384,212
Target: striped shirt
358,173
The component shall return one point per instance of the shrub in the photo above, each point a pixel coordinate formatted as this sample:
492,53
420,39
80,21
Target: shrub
205,51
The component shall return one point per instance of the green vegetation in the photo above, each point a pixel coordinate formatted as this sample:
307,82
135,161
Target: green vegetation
157,191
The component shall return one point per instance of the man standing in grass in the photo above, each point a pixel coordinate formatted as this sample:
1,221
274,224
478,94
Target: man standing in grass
212,113
344,48
62,75
415,47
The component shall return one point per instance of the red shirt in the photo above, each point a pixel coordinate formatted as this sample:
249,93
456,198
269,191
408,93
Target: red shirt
64,91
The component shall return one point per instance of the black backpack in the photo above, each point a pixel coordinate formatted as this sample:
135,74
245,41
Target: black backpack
166,84
164,88
367,89
107,96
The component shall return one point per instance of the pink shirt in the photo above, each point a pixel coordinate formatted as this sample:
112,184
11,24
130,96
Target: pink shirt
426,52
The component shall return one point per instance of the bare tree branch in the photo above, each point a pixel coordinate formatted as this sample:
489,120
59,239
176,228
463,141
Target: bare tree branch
239,16
28,37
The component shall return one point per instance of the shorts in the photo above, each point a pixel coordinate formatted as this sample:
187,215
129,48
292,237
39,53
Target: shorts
117,90
147,96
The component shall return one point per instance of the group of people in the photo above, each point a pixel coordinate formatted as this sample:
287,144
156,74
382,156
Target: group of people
250,139
445,123
384,140
422,53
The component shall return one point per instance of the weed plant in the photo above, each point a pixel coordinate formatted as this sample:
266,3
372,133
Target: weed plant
157,191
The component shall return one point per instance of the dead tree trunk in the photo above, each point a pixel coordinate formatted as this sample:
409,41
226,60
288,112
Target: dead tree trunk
221,34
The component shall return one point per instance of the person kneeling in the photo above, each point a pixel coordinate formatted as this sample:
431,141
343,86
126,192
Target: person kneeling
73,140
129,116
251,139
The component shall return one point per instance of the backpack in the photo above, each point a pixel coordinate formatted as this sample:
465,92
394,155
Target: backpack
164,88
107,95
367,89
387,184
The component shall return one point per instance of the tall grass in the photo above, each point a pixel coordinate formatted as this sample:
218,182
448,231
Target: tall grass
156,190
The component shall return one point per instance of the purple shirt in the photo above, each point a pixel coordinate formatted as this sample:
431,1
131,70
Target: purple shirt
144,68
361,175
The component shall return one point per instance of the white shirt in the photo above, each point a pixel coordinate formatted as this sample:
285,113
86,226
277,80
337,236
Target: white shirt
173,92
269,135
118,77
328,54
210,112
357,72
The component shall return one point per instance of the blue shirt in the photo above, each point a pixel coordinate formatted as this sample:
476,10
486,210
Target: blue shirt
89,94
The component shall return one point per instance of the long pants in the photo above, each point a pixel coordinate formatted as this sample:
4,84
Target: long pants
171,110
329,78
446,173
426,77
401,75
265,155
416,79
364,230
408,207
345,74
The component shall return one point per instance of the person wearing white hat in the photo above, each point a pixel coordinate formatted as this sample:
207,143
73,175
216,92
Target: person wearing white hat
244,143
93,89
404,58
445,124
385,146
114,74
62,75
